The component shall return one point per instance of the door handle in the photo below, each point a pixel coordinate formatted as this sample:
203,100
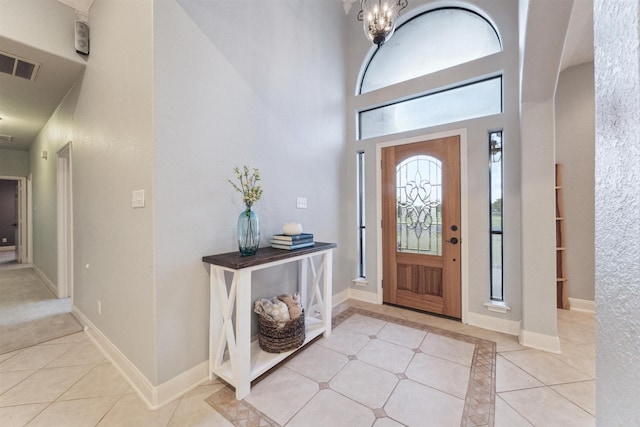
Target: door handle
453,241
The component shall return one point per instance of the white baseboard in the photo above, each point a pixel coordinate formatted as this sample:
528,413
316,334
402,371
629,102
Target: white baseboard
540,341
356,294
511,327
52,286
153,396
365,296
582,305
179,385
340,297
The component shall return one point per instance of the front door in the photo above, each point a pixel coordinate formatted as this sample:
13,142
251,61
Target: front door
421,226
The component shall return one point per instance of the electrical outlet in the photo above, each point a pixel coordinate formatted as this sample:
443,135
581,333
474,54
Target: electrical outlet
99,307
301,203
4,240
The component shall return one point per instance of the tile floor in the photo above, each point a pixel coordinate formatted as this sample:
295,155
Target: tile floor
377,370
68,382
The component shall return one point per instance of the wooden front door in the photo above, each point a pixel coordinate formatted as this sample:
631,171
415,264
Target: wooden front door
421,226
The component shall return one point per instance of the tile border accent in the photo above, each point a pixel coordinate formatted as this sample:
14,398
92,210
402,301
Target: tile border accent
479,405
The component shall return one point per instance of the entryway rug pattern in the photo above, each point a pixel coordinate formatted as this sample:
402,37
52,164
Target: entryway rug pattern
374,370
29,313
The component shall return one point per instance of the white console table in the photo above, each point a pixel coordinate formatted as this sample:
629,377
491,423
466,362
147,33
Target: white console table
246,361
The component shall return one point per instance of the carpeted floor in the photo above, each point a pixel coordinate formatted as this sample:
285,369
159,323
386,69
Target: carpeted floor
29,313
358,377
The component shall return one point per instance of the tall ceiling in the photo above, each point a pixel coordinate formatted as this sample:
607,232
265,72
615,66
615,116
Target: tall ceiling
26,106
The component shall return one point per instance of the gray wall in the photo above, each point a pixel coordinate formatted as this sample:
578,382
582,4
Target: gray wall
232,91
542,34
617,238
14,162
575,146
51,138
113,156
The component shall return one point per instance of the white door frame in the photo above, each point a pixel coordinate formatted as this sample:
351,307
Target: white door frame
64,202
464,209
24,243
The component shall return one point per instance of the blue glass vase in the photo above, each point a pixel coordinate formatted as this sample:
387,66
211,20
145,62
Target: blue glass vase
248,232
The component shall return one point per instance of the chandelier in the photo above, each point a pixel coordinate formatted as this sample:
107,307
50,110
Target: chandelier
378,18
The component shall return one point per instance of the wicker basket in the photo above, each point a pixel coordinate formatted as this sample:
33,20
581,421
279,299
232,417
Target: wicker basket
273,339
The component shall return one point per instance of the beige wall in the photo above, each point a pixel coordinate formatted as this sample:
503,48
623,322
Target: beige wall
575,145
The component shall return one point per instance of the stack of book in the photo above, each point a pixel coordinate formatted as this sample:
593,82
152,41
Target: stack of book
298,241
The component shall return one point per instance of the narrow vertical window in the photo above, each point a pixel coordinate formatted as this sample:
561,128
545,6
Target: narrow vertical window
495,214
362,266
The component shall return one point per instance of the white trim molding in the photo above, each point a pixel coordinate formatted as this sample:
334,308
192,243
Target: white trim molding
464,210
540,341
357,294
511,327
153,396
365,296
497,307
360,281
582,305
340,297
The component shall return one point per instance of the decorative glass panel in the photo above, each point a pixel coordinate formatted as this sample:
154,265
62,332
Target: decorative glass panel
419,205
430,42
461,103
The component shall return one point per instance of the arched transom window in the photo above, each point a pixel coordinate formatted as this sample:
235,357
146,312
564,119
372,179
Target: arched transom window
430,42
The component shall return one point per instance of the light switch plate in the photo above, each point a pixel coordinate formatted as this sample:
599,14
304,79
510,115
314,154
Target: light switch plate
137,199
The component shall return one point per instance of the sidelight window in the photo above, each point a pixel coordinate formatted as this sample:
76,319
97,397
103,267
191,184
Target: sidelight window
495,214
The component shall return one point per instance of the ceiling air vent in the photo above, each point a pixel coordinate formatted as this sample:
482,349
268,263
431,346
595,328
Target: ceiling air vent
19,67
6,138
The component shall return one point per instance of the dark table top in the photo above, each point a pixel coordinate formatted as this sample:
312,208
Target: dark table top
266,255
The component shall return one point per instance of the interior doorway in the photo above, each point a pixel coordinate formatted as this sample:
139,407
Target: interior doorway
15,220
64,201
